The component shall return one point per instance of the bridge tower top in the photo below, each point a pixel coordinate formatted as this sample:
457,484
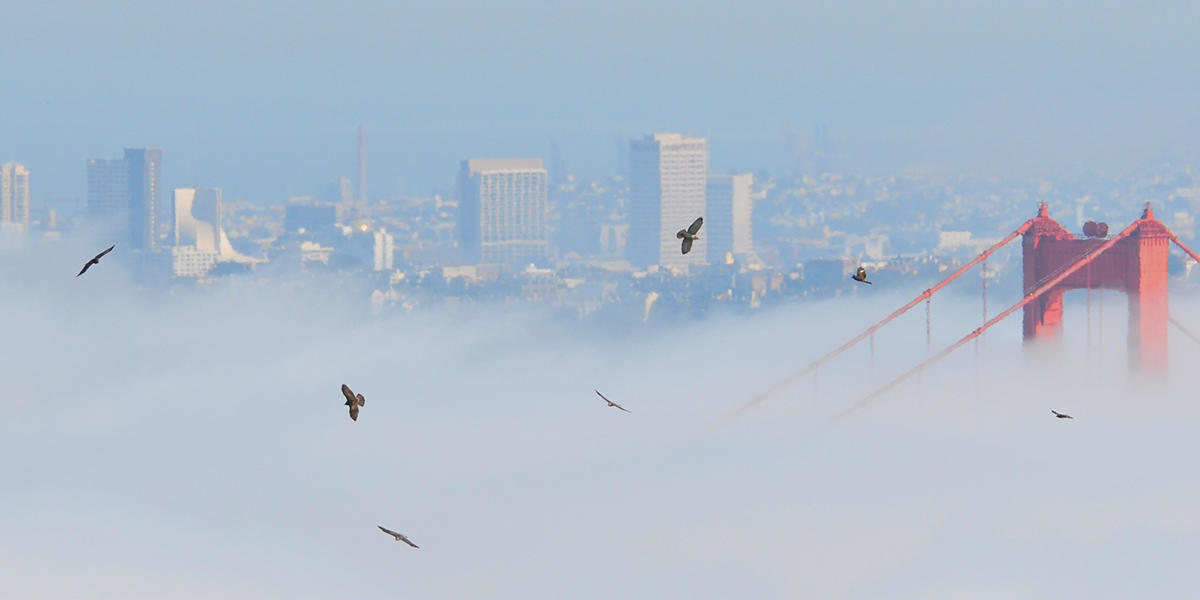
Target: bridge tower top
1136,265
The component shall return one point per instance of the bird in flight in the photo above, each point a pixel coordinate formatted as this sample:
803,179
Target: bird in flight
690,234
95,260
861,275
354,401
400,537
610,402
1061,415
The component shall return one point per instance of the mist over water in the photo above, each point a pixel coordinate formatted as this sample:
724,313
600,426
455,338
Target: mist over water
196,446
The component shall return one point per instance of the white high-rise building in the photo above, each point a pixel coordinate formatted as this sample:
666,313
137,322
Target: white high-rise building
502,210
200,240
385,250
667,183
14,195
729,216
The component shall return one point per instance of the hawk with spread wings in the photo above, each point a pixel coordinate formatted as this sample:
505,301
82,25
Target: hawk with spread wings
354,401
95,260
690,234
400,537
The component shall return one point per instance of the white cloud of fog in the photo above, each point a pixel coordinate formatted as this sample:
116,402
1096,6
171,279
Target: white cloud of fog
196,447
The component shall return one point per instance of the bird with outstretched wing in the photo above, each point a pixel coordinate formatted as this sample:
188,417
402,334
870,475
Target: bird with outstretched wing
1061,415
354,401
861,275
610,402
689,235
95,260
400,537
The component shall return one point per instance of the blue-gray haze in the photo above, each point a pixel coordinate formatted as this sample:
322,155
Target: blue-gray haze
196,446
263,98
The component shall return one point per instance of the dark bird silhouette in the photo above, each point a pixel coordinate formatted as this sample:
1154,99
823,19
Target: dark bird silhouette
690,234
354,401
861,275
400,537
1061,415
610,402
95,260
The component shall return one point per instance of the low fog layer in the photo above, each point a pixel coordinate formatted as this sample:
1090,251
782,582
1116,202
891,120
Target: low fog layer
196,446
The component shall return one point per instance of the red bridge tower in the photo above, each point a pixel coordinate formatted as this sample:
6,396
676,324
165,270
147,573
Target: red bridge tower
1135,264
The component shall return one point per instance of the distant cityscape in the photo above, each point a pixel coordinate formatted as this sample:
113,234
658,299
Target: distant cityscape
515,231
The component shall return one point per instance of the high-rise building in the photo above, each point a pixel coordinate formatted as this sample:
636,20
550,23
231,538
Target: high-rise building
667,183
197,231
14,195
198,218
200,239
384,250
124,196
728,218
145,195
502,210
108,189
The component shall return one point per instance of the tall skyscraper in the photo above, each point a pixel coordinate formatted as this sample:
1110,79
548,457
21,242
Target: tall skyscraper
667,183
502,210
145,195
108,189
728,218
14,194
124,196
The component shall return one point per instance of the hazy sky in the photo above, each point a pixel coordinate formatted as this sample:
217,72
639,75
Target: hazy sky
263,98
197,447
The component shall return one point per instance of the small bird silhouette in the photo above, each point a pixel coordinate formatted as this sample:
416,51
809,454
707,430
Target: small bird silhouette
400,537
95,260
861,275
353,401
690,234
610,402
1061,415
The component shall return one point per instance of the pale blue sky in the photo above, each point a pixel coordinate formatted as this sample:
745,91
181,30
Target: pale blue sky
263,98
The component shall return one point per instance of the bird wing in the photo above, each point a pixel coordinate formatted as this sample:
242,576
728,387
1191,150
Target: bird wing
610,402
387,531
99,256
354,412
86,267
687,245
348,394
404,538
696,225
